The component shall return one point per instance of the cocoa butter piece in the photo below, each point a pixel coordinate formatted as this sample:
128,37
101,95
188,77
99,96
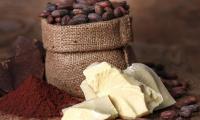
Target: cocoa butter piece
107,16
168,115
188,100
59,13
93,17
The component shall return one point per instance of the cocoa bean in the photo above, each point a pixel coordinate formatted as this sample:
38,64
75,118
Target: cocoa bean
193,108
59,13
78,19
50,19
81,1
186,113
58,20
88,9
65,20
78,6
107,16
65,1
126,7
180,118
51,7
63,6
45,14
104,4
80,16
120,11
184,84
177,92
186,101
118,4
171,83
108,9
142,119
93,17
168,115
168,75
98,9
78,11
91,2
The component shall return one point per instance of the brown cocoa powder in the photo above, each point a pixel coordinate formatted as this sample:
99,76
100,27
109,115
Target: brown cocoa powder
36,99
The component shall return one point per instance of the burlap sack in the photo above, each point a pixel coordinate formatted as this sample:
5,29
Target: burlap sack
104,35
70,49
66,70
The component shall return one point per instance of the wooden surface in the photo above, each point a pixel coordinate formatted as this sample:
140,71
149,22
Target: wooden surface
166,32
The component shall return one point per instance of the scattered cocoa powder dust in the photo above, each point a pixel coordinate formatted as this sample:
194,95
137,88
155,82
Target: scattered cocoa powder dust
36,99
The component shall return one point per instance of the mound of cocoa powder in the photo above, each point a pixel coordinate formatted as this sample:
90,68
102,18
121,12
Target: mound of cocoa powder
36,99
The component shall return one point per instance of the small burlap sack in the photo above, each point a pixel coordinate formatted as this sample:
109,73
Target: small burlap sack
66,70
104,35
70,49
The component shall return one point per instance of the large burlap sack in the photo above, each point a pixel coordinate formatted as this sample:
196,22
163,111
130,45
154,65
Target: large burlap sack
65,70
105,35
70,49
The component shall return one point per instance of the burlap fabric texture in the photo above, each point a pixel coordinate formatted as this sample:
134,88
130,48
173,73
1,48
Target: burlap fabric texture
70,49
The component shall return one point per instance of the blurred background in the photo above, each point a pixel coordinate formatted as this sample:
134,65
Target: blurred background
165,31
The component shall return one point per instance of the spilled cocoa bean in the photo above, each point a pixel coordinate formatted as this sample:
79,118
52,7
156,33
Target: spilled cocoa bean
168,115
188,100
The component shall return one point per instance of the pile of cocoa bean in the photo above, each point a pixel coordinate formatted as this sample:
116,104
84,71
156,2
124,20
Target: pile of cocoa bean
73,12
186,104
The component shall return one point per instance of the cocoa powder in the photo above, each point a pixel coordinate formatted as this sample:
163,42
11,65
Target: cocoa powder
36,99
